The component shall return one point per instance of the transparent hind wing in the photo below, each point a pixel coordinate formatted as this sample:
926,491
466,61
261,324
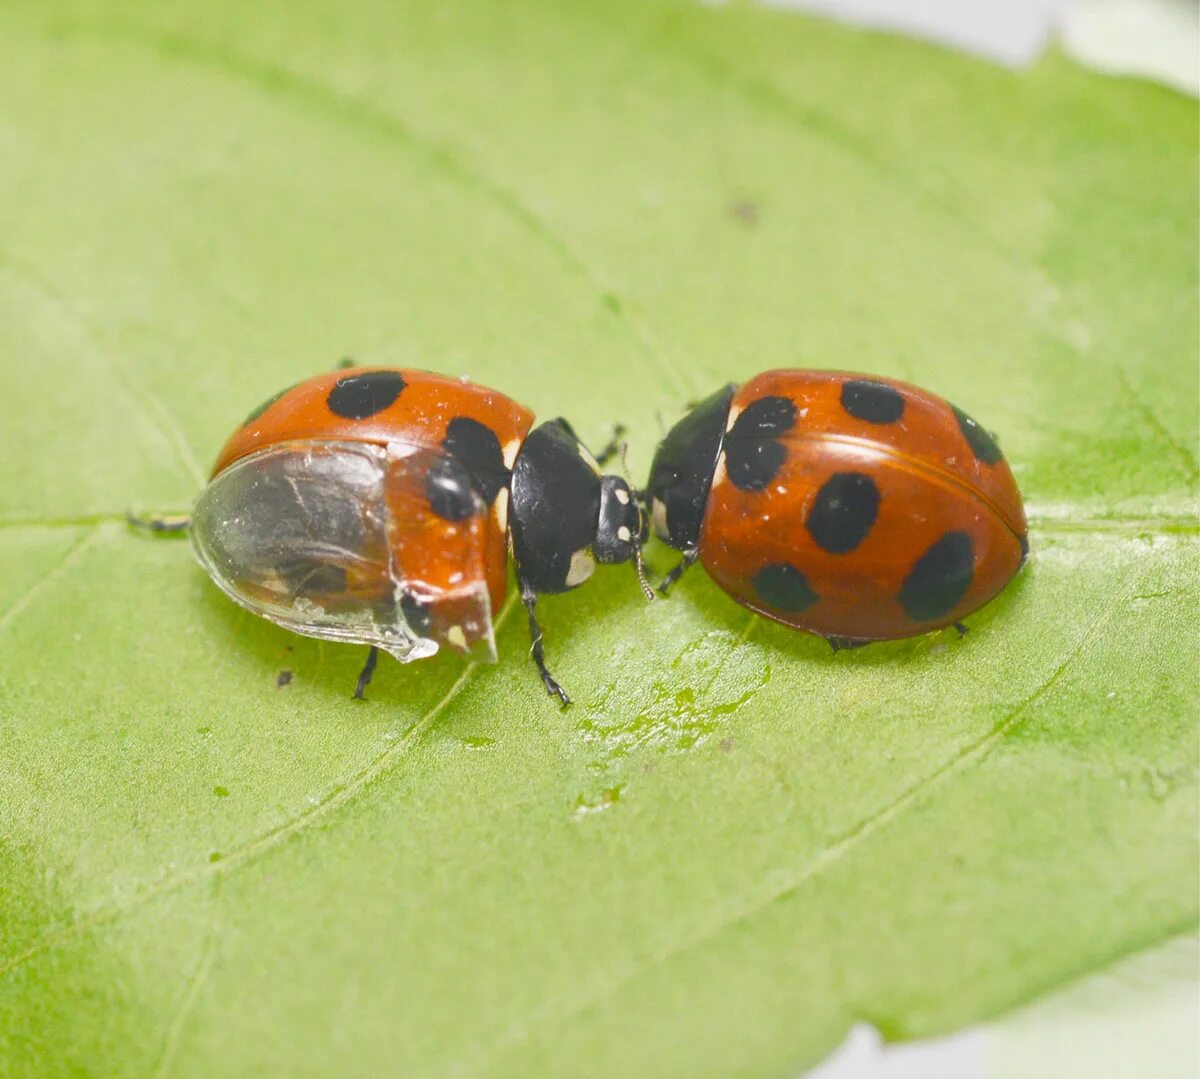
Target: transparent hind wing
322,538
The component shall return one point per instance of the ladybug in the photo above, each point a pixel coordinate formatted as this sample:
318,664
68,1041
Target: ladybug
378,506
853,507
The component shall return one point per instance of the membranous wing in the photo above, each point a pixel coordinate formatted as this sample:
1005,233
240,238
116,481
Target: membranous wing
341,541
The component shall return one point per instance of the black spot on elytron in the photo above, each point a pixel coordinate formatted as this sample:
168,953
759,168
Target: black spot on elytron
939,578
450,491
265,405
416,614
874,402
357,397
784,587
1024,542
753,453
843,512
478,450
981,442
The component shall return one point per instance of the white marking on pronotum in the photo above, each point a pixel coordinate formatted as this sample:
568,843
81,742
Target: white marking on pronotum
456,637
586,454
583,565
734,412
624,535
658,516
500,509
622,496
510,452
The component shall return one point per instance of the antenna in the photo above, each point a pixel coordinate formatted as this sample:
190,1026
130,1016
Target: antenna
638,564
640,569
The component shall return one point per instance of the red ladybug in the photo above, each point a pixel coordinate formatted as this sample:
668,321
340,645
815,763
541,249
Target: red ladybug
377,506
853,507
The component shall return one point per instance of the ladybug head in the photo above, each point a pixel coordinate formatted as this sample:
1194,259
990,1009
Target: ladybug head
621,527
682,472
566,517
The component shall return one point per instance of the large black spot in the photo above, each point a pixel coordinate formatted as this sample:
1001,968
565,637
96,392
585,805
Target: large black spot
416,614
478,449
939,579
784,587
753,453
356,397
449,490
981,442
874,402
843,512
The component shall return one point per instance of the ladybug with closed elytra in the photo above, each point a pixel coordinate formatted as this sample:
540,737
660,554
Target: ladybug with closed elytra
854,507
377,506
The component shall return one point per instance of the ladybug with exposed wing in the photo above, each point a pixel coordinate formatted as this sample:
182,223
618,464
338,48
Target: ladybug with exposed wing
377,506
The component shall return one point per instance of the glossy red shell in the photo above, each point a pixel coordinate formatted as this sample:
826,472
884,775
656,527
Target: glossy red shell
881,511
431,548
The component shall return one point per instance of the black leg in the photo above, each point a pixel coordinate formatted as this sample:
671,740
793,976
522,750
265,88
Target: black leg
962,630
613,448
529,598
838,644
161,525
668,582
364,676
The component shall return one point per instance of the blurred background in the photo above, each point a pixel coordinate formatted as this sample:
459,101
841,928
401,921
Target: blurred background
1158,38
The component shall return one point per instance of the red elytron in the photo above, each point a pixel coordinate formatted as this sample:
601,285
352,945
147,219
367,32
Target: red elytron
854,507
378,506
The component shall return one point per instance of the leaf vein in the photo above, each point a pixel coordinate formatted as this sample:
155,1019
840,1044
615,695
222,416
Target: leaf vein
72,555
1041,521
835,852
257,847
192,991
1184,459
290,85
144,399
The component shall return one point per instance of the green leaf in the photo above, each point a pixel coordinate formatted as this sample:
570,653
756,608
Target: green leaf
735,844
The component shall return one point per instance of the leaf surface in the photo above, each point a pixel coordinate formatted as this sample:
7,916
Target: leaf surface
735,844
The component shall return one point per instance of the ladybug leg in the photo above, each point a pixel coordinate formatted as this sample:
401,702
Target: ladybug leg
840,643
614,446
162,525
364,676
962,630
529,598
688,559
